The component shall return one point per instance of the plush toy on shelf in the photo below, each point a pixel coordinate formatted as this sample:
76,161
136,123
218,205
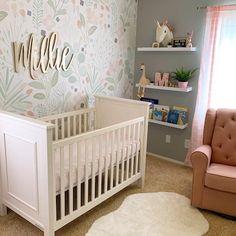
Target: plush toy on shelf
189,40
142,82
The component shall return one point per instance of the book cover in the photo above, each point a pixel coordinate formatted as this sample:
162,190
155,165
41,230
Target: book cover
183,115
157,115
160,112
173,117
151,100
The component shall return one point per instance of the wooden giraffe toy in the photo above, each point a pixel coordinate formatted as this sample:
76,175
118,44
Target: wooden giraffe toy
142,82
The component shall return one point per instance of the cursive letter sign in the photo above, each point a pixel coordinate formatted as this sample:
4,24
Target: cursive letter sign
48,56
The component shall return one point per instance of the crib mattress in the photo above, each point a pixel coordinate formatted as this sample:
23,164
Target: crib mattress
105,152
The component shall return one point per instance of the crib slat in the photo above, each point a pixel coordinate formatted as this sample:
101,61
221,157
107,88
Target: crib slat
106,160
85,122
100,159
128,152
63,128
137,149
79,124
56,129
62,175
79,154
112,158
118,157
68,126
86,172
70,178
93,166
74,125
54,182
123,155
132,149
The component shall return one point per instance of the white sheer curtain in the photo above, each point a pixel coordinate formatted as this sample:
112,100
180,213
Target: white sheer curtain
217,80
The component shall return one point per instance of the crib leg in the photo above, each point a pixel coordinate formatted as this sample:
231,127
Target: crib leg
141,183
49,232
3,210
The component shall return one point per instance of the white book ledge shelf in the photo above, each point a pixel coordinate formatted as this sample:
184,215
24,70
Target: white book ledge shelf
176,89
165,49
168,124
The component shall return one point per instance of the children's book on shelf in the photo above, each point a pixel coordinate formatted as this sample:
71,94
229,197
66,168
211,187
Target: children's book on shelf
152,101
183,114
173,117
160,112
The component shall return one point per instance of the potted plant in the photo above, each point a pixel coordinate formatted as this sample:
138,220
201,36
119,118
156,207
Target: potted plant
183,76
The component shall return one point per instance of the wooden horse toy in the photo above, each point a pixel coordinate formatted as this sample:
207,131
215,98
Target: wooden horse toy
142,82
164,34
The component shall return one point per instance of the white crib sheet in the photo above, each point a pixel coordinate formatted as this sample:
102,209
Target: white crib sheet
133,148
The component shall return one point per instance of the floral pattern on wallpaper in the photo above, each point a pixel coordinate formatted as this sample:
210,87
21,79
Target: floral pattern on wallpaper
101,35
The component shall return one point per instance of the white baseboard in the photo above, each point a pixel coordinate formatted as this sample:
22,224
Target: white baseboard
167,159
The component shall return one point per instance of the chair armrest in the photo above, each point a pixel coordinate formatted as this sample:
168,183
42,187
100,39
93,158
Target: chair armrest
200,159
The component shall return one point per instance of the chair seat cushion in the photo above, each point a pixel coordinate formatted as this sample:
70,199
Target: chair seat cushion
221,177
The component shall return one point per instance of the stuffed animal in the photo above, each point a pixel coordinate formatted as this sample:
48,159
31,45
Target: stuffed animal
189,40
142,82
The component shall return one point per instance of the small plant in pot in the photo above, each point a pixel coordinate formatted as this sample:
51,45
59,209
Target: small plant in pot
183,76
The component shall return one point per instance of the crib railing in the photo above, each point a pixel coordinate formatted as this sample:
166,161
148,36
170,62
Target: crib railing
107,160
71,123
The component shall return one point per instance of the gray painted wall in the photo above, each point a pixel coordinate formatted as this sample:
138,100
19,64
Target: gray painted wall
184,17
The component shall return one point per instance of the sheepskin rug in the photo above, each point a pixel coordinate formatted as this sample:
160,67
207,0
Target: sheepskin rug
152,214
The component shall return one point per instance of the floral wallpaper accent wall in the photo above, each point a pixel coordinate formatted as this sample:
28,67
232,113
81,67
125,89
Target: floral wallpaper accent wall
101,35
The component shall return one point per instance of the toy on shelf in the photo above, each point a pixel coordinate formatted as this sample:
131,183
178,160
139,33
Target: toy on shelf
162,80
164,35
142,82
189,40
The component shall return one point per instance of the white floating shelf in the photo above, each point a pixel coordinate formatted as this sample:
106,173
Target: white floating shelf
168,124
176,89
165,49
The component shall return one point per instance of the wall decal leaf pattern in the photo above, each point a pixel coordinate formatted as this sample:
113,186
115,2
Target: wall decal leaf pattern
37,13
101,35
11,96
3,14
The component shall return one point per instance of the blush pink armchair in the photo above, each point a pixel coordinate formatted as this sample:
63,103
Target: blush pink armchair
214,164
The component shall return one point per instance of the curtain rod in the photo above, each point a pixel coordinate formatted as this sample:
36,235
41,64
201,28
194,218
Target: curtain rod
205,7
201,8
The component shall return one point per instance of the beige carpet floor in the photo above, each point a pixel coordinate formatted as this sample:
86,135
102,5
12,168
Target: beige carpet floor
162,176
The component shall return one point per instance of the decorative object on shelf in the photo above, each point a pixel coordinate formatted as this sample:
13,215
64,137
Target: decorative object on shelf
157,78
183,76
179,42
142,82
164,34
165,78
189,40
162,80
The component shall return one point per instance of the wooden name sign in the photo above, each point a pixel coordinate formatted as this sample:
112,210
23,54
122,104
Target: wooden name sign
45,58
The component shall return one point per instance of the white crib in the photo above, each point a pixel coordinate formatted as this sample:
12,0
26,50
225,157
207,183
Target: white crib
59,167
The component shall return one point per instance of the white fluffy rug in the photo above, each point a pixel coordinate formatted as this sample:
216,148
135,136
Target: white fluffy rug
152,214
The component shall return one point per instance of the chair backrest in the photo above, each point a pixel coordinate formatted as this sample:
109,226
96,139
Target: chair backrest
220,127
